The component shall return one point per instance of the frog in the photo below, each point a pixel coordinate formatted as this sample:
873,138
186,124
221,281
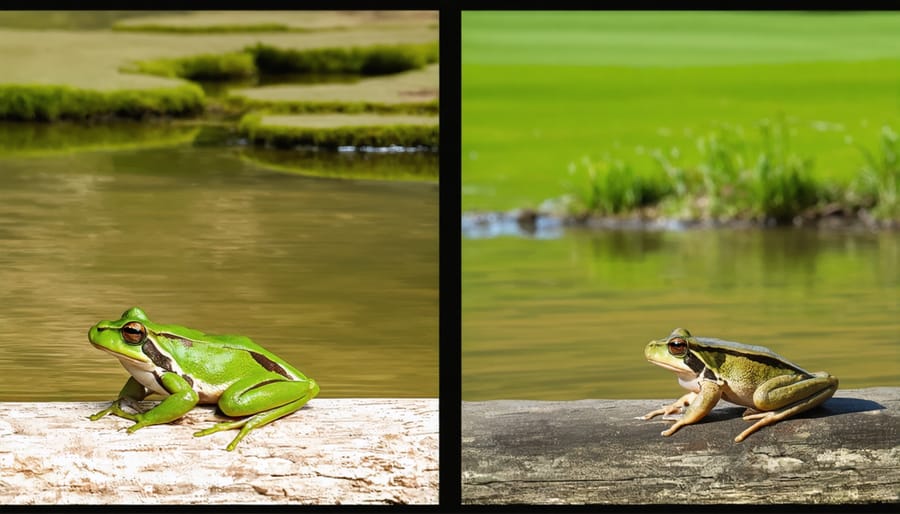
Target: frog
189,367
770,386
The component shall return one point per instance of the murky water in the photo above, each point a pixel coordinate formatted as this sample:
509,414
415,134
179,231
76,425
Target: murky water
338,277
567,317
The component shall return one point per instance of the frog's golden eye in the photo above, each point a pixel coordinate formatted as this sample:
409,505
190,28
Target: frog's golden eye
677,347
134,333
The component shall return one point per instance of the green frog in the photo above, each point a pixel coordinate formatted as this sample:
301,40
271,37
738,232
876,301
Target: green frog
772,387
189,367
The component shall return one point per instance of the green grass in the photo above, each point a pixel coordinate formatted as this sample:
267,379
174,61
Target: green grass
51,103
412,91
333,130
542,92
371,60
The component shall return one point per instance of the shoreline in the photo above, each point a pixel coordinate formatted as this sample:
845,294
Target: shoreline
539,224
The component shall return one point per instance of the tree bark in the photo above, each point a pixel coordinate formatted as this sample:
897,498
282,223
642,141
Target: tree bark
347,451
595,451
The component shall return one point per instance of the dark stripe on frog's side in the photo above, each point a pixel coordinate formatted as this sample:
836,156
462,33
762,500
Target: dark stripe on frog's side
694,362
161,361
269,364
747,354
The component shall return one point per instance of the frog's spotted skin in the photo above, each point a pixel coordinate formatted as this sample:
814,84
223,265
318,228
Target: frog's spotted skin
772,387
190,367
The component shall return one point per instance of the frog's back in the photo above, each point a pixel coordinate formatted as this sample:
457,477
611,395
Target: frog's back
760,353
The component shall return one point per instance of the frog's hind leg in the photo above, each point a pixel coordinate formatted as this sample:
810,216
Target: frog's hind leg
770,417
280,398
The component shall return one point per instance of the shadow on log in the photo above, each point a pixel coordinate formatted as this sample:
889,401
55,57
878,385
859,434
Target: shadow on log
348,451
595,451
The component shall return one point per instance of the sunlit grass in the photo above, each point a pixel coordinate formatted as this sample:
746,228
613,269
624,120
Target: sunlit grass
739,174
409,91
543,92
334,130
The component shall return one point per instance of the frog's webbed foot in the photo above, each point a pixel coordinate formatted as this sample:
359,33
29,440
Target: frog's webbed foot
675,407
116,410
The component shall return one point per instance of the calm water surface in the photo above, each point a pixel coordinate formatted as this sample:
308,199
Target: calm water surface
338,277
568,317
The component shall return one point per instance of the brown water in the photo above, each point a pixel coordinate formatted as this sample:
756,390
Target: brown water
567,317
340,278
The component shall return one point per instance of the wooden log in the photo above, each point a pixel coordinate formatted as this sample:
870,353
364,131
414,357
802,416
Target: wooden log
347,451
595,451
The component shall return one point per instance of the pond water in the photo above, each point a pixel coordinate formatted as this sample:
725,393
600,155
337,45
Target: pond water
339,277
567,317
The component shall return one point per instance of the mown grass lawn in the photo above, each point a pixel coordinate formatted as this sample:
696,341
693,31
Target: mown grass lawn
542,91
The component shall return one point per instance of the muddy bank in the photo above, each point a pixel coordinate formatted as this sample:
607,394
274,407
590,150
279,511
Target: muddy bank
538,224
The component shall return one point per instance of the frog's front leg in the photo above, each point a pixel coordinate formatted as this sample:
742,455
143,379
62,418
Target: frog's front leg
182,399
268,400
703,402
698,406
786,396
131,391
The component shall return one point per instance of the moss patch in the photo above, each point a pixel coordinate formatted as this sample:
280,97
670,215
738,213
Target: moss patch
369,60
51,103
413,91
228,66
334,130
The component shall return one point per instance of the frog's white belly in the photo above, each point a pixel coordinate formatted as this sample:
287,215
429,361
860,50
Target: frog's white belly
144,375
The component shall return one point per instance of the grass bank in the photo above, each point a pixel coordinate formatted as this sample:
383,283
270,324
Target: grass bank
752,175
268,59
410,92
62,74
19,102
334,130
544,95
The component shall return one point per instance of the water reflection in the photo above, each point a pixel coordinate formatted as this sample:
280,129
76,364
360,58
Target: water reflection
339,278
567,317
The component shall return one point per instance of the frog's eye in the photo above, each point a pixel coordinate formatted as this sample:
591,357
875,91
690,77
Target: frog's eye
134,333
677,347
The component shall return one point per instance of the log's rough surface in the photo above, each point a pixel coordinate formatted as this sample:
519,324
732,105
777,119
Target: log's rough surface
595,451
347,451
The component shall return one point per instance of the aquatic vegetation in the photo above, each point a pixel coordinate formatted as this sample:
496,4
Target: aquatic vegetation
365,60
50,103
413,91
879,181
335,130
739,177
227,66
610,186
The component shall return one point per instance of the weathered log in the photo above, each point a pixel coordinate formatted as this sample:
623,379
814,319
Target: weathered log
348,451
595,451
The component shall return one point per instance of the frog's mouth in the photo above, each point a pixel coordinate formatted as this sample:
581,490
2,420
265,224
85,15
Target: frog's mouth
121,357
676,369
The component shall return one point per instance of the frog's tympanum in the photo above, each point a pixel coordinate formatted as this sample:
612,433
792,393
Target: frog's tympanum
190,367
771,386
